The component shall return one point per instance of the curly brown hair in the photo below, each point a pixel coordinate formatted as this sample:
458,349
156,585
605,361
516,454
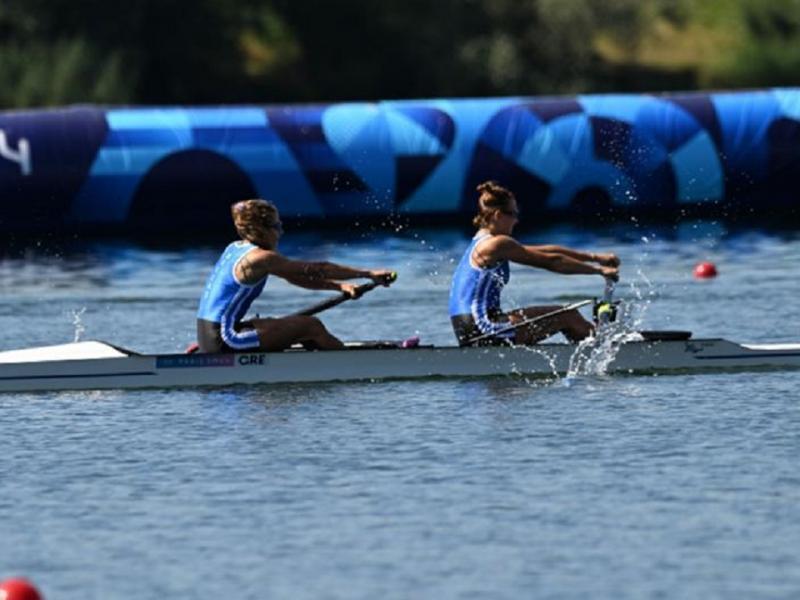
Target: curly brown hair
252,217
493,196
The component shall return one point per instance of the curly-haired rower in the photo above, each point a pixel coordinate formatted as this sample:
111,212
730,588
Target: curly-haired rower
239,276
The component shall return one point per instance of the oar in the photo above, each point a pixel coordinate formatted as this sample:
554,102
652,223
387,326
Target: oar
530,321
360,291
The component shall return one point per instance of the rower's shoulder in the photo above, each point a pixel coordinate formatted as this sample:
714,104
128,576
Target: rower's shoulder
485,238
498,242
261,255
495,248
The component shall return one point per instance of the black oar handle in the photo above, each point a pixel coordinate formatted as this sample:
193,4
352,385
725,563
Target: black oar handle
360,291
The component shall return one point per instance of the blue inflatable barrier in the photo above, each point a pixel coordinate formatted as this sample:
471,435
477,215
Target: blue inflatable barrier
588,157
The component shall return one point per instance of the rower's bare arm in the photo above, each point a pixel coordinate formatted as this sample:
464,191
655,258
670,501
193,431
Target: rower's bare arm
607,259
258,263
507,248
313,284
333,271
574,254
324,272
296,271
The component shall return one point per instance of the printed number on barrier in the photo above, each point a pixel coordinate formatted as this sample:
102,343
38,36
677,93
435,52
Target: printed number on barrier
21,156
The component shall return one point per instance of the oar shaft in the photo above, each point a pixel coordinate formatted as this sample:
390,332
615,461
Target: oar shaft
530,321
336,300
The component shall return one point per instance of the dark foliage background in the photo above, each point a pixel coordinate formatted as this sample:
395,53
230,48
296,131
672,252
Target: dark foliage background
56,52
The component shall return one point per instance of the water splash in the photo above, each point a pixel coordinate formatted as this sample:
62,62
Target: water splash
595,354
551,361
77,323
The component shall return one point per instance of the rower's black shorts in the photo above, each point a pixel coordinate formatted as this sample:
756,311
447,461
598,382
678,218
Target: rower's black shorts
465,328
209,336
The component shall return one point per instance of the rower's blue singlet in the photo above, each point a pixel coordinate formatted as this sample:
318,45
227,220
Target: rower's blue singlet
476,291
225,299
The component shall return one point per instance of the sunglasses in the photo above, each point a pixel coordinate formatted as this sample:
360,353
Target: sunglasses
278,227
510,213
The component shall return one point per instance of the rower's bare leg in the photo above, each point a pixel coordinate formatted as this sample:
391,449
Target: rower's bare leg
571,324
279,334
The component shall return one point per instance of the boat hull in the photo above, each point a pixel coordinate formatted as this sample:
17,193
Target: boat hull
358,364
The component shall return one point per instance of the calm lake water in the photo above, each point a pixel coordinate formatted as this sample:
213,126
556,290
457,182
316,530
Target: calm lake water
587,487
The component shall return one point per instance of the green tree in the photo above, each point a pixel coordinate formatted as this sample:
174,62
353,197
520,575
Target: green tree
55,52
769,53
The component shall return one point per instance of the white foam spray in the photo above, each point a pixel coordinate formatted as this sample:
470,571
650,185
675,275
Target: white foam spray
77,323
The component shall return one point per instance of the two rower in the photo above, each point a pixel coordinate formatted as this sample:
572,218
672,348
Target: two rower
239,276
483,271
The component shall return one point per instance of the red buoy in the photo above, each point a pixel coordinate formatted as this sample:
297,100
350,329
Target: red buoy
18,589
705,270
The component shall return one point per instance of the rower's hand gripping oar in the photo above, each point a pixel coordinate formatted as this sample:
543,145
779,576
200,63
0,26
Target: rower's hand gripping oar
531,321
344,297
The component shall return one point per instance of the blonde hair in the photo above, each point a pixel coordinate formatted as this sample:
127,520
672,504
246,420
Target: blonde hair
252,217
492,197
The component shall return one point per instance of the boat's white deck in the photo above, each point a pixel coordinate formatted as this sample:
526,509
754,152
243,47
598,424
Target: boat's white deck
774,347
74,351
97,350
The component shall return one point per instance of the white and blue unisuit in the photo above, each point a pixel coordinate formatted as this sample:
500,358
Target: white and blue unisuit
475,298
225,302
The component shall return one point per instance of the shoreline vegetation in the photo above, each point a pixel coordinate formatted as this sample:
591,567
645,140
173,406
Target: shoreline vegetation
55,52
